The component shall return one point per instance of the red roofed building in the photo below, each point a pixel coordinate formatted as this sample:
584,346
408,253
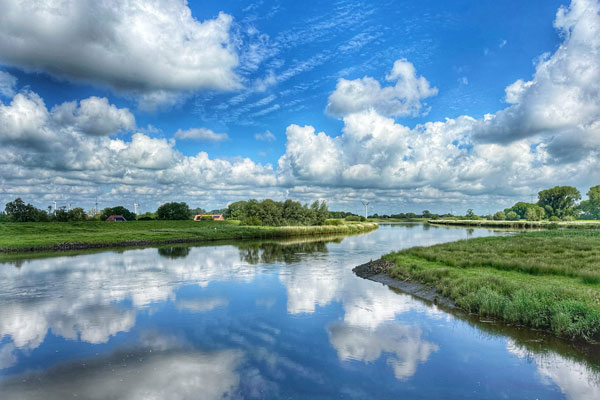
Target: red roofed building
116,218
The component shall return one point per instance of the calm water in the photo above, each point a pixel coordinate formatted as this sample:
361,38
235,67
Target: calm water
261,320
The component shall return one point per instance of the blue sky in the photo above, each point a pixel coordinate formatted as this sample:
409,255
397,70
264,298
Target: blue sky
241,81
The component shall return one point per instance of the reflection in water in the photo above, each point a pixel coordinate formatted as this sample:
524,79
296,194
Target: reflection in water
174,251
252,320
573,378
137,376
288,252
404,343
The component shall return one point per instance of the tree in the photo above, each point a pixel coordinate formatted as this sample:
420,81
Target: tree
470,214
529,211
119,210
173,211
18,211
512,216
559,201
322,214
500,216
591,207
426,214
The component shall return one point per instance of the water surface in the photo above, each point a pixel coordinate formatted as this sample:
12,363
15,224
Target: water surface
277,319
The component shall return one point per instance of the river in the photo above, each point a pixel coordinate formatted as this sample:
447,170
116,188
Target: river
277,319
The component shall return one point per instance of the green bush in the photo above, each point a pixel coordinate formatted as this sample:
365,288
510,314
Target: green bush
252,221
554,218
500,216
334,222
353,218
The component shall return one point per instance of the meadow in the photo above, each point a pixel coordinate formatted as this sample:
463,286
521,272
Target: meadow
36,236
548,280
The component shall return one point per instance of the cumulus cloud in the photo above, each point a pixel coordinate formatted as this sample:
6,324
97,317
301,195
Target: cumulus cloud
142,46
549,133
7,84
562,100
200,134
51,151
402,99
267,136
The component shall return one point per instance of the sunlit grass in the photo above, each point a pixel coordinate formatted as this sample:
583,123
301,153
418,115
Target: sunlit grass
545,280
39,235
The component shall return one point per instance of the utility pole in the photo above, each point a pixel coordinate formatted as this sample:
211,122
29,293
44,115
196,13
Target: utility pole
366,204
96,212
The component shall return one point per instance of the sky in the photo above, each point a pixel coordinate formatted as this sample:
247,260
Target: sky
431,105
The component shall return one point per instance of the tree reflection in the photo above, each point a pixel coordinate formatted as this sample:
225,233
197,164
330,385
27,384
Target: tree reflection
283,251
174,252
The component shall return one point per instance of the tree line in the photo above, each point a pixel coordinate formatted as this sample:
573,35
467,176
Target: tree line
251,212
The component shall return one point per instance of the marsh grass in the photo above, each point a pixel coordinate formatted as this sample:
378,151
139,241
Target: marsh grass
545,280
40,236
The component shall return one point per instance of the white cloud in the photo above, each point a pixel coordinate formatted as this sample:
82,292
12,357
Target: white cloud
94,116
142,46
7,84
563,97
200,134
402,99
267,136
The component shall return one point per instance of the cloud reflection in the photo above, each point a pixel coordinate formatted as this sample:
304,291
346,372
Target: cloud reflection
575,380
136,376
403,343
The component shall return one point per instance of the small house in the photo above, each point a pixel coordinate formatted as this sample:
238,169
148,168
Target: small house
116,218
215,217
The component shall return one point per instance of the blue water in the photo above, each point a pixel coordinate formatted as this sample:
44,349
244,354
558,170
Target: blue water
278,319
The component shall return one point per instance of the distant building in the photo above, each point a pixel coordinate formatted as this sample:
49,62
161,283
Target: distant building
116,218
215,217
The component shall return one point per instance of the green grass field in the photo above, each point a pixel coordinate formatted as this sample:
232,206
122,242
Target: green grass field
521,224
41,235
546,280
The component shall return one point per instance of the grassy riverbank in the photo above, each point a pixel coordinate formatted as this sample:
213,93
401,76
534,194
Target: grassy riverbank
546,280
522,224
36,236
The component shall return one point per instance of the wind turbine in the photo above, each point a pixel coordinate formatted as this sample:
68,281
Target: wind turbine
366,204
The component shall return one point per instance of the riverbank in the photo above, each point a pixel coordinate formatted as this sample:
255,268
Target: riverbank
522,224
61,236
547,280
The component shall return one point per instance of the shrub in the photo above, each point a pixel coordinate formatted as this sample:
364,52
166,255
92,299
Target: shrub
353,218
500,216
253,221
334,222
554,218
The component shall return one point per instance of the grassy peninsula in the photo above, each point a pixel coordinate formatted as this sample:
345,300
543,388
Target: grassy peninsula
38,236
547,280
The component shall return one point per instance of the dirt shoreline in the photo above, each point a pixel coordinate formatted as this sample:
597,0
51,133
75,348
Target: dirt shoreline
377,271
